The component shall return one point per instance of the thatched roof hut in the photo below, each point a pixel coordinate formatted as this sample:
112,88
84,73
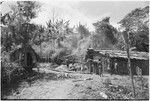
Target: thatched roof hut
25,55
140,59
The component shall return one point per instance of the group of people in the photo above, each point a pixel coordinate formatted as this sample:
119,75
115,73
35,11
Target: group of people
94,66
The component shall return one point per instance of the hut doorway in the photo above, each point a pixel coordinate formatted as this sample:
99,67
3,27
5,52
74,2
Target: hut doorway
29,59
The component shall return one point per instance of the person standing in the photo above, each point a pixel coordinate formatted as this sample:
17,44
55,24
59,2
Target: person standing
100,68
108,64
112,67
116,66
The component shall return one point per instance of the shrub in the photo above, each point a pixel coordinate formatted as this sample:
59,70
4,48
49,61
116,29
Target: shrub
10,71
59,55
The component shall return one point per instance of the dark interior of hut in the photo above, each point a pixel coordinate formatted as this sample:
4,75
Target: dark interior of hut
29,59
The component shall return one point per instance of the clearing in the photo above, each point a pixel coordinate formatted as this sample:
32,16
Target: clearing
48,83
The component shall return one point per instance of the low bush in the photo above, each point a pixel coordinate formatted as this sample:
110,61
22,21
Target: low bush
10,71
59,56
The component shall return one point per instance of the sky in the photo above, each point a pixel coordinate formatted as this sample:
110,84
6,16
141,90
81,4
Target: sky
85,12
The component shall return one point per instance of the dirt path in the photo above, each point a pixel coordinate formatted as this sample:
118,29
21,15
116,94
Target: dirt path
46,88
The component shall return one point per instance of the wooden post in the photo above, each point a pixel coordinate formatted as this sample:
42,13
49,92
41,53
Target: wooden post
139,74
40,44
9,82
129,62
25,56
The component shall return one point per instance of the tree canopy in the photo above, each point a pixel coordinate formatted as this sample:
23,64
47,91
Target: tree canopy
18,29
83,31
137,23
104,28
105,37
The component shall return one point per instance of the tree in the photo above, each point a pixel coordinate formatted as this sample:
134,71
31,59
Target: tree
120,45
137,23
104,27
136,31
105,34
58,31
28,9
39,35
127,40
84,32
17,22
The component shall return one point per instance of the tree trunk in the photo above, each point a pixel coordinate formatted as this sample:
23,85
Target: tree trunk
129,63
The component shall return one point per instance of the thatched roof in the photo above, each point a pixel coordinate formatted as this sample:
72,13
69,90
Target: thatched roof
20,48
123,54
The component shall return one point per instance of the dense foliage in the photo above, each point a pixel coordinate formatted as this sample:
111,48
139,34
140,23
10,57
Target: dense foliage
105,37
17,27
137,23
84,32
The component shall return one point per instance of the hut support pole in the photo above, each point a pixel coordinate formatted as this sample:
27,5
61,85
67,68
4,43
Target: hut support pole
129,64
40,45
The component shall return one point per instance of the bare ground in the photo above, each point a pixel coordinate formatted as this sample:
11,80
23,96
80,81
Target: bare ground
51,84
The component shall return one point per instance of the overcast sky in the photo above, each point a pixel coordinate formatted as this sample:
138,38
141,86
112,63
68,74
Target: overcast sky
86,12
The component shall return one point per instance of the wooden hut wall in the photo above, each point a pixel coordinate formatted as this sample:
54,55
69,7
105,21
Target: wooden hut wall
105,64
104,60
145,67
122,66
143,64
